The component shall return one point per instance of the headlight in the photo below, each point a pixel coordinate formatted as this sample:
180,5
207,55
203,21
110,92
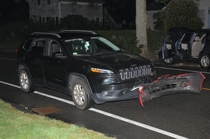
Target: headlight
97,70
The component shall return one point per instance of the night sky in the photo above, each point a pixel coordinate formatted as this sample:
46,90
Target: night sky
13,10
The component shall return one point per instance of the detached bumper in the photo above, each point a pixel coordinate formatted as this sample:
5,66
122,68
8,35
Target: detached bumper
166,84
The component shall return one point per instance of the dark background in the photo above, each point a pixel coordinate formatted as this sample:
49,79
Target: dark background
13,10
18,10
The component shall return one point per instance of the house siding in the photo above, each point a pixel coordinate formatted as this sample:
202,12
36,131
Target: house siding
150,19
89,11
204,7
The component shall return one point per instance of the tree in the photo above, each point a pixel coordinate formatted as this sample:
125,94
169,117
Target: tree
179,13
141,29
141,26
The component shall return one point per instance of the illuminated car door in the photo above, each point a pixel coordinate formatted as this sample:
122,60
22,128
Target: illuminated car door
184,47
168,50
206,43
55,66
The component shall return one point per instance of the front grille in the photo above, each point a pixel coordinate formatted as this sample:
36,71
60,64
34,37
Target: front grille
135,72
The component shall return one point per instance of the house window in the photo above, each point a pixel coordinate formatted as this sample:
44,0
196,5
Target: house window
53,19
48,2
201,15
48,19
38,2
43,19
40,19
97,20
56,20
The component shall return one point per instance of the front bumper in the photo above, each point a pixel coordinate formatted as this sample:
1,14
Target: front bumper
116,95
166,84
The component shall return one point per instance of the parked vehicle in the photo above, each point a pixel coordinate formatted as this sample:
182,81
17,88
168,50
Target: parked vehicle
90,68
82,64
192,46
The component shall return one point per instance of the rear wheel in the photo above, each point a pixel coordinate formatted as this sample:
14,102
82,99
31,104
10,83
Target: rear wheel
205,61
81,94
26,82
169,61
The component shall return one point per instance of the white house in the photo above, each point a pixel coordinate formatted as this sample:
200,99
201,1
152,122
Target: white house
151,9
45,10
204,12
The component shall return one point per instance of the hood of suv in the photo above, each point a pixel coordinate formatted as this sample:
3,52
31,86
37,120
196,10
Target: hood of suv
117,60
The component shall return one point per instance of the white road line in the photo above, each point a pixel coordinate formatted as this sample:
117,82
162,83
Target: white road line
182,70
154,129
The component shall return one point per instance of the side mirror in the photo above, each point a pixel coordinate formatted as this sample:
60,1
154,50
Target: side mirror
58,55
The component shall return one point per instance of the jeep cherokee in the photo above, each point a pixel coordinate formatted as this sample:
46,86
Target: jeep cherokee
82,64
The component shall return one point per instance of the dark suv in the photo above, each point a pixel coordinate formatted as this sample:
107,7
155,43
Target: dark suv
82,64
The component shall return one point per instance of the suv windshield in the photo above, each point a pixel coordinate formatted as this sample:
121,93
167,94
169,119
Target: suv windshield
92,45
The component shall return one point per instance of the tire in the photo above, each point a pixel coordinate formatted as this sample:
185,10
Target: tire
81,94
169,61
26,82
205,61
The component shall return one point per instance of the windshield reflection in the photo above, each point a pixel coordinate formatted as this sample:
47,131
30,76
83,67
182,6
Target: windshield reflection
93,45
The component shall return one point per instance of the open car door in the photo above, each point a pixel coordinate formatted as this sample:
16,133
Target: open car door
169,47
168,50
183,46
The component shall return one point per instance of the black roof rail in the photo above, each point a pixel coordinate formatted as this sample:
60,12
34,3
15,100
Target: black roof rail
46,33
79,31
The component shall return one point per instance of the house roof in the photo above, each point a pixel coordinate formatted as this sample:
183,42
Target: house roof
154,6
99,1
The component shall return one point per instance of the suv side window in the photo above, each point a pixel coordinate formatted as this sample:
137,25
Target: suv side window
38,46
55,50
27,44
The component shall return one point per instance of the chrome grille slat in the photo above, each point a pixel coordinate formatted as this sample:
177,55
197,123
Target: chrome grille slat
135,72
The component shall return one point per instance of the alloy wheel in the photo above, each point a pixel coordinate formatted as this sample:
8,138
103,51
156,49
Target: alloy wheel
79,94
24,81
205,61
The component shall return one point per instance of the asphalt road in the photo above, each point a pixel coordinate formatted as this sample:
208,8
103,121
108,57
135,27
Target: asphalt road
173,116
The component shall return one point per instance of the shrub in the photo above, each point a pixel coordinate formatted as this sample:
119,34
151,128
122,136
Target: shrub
179,13
126,39
154,40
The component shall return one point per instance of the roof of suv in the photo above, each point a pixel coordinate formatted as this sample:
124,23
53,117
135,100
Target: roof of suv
67,34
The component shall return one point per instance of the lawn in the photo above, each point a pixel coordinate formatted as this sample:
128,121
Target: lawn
15,124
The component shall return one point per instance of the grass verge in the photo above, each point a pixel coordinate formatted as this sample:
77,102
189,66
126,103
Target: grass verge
15,124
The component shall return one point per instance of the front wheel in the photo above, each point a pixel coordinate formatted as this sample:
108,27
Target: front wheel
205,61
81,94
26,82
169,61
